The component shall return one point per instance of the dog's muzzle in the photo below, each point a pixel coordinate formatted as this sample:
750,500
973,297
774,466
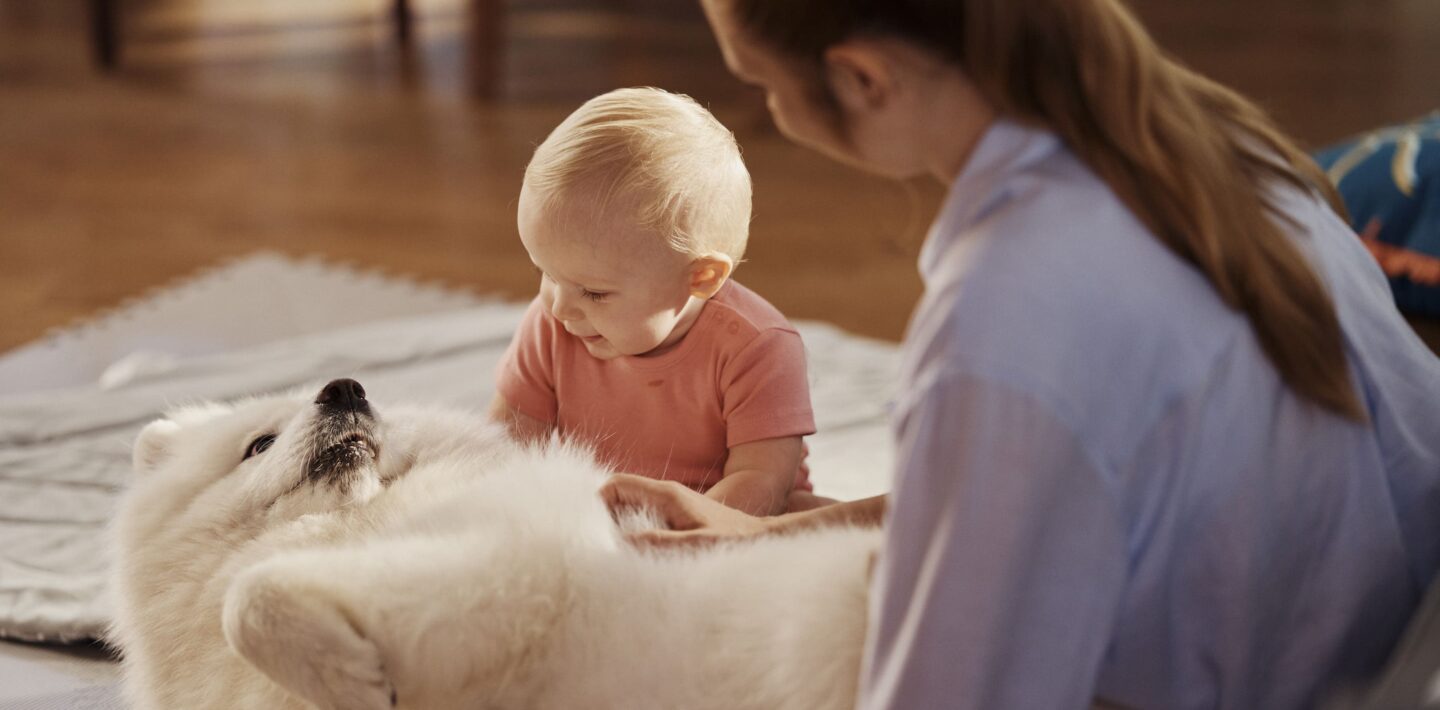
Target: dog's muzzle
344,432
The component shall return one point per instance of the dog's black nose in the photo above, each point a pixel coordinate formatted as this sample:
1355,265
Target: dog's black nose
345,394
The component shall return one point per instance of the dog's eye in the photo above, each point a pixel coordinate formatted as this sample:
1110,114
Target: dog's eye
259,445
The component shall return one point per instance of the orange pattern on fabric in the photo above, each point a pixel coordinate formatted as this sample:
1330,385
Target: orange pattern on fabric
1398,261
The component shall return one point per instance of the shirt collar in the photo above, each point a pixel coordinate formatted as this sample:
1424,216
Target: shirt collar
1005,149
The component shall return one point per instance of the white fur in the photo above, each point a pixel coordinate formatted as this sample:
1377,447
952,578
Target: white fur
453,569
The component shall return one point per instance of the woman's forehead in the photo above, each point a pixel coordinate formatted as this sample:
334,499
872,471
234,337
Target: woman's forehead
741,56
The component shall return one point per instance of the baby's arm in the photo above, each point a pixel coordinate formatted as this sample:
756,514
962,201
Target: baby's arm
759,475
523,427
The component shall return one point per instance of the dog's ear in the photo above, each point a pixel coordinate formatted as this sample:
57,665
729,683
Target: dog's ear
153,444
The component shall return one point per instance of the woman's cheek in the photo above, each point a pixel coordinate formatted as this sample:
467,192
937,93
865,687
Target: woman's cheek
807,126
783,120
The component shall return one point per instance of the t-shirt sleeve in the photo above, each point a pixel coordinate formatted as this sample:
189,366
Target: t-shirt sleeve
525,377
764,390
1004,561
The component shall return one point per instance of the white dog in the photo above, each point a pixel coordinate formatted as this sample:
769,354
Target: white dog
291,552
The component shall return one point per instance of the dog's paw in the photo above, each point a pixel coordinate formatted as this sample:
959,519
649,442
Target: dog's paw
354,678
301,638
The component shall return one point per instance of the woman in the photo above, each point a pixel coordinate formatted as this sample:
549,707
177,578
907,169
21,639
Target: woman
1163,440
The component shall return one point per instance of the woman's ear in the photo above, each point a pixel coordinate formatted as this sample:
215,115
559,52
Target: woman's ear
860,76
708,273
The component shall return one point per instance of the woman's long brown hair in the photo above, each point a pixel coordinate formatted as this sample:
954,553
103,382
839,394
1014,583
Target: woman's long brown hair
1193,160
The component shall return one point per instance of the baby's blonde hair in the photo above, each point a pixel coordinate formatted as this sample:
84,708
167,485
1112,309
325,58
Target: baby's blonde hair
660,151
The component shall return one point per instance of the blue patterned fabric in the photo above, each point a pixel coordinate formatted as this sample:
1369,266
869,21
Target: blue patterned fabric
1390,180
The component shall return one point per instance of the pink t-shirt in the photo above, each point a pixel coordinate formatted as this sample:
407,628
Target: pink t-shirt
738,376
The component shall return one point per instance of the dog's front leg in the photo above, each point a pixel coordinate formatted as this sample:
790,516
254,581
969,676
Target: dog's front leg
286,619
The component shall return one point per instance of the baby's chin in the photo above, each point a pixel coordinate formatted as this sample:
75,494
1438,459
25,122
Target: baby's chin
603,349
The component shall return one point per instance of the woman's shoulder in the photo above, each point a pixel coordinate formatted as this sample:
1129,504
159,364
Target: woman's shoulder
1059,263
1058,290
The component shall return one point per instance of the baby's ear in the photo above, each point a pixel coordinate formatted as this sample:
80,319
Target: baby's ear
153,444
708,273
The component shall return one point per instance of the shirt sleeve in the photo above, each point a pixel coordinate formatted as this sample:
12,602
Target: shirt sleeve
1004,562
765,393
525,377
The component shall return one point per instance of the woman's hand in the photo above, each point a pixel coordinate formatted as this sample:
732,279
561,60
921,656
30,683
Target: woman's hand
692,519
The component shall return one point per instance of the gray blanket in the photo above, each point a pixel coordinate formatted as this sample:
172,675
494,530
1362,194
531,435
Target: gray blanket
64,453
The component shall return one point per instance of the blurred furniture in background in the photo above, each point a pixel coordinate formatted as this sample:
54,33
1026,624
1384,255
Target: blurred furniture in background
295,125
104,33
485,18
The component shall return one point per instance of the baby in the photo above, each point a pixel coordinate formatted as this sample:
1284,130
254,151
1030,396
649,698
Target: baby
635,212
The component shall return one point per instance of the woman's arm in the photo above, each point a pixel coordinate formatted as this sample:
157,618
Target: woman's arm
694,519
865,513
1005,559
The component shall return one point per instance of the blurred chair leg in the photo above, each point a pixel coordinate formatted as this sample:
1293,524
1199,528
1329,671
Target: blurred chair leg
404,17
105,33
410,73
485,49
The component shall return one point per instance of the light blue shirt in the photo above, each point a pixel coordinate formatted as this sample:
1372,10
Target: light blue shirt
1103,487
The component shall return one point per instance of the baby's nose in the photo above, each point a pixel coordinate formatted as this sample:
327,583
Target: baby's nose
564,309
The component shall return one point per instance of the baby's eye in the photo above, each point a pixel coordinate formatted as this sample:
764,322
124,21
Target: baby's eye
596,296
259,445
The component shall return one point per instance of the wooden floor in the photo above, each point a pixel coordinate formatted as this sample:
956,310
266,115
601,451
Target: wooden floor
304,127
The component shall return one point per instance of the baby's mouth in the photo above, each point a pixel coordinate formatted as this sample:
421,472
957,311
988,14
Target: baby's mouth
592,338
